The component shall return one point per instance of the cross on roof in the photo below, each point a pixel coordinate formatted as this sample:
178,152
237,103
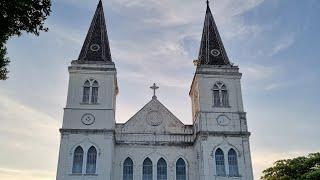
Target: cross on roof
154,88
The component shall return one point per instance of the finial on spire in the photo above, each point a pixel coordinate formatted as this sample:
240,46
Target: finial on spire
154,88
208,2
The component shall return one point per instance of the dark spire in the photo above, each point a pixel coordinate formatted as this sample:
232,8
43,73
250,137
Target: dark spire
96,46
212,51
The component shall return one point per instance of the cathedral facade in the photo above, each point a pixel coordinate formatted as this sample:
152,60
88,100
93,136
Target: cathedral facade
154,144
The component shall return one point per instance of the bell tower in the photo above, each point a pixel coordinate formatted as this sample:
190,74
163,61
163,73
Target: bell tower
217,109
87,133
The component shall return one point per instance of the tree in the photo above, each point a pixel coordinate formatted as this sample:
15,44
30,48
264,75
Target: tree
300,168
17,16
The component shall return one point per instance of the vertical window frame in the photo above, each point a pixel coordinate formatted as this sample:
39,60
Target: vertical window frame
162,169
78,157
90,93
233,163
127,170
220,162
181,175
91,165
220,95
147,169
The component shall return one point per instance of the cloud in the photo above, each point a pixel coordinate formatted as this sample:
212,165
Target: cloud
25,133
17,174
282,44
257,72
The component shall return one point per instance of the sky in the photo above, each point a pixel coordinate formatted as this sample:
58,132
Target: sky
275,43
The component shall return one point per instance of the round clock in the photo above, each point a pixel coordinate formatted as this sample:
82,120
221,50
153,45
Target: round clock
94,47
215,52
88,119
223,120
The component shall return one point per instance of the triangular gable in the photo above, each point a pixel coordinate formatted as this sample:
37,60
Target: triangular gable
154,117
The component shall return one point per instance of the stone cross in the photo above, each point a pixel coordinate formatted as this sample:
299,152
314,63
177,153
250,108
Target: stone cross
154,88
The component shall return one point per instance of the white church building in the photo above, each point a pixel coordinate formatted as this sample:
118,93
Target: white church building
154,144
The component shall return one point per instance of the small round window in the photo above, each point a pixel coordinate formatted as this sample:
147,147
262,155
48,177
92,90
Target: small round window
215,52
94,47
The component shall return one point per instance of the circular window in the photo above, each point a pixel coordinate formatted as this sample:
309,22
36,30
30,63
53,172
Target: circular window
94,47
215,52
154,118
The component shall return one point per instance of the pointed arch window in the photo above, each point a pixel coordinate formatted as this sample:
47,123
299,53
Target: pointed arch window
220,167
90,92
77,160
86,92
91,160
147,169
161,169
220,95
128,169
233,163
181,173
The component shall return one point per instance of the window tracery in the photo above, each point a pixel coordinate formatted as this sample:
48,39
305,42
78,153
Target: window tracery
220,95
90,92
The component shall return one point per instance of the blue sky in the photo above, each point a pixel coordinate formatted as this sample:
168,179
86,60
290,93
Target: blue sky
274,42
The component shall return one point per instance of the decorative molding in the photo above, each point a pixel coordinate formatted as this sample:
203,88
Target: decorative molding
86,131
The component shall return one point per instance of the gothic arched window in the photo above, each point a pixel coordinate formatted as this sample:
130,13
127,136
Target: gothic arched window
220,168
90,91
161,169
94,94
220,95
181,173
86,92
128,169
147,169
77,160
91,161
233,163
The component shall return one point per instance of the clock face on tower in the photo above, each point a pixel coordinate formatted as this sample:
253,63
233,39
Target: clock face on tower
223,120
88,119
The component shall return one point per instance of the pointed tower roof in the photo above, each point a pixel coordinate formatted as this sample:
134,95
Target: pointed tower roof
96,45
212,51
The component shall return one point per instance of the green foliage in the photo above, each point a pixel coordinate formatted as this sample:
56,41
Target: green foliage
17,16
300,168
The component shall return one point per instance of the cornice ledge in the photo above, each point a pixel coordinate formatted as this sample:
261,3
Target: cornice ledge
223,133
86,131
